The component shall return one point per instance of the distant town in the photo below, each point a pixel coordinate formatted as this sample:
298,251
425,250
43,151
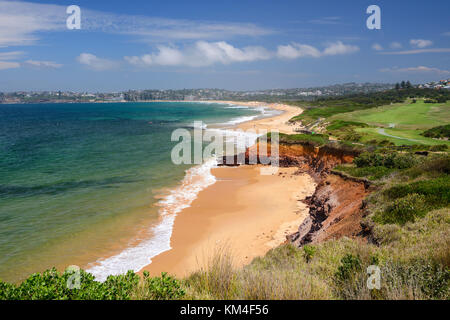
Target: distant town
206,94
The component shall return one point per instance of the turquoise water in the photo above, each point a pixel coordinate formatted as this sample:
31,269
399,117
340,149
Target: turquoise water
78,181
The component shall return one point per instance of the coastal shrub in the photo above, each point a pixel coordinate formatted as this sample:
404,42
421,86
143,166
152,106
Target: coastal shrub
51,285
161,288
371,173
404,210
438,132
389,160
436,191
308,252
350,265
432,167
416,279
439,147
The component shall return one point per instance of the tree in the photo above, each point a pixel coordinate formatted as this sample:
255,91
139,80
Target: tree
397,86
403,84
408,85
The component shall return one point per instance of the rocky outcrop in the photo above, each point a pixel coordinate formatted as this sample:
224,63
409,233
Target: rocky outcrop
317,161
335,210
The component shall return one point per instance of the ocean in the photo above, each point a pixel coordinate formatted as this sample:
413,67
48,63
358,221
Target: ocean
93,184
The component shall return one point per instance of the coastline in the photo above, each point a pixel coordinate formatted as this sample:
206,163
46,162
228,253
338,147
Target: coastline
197,188
244,213
238,213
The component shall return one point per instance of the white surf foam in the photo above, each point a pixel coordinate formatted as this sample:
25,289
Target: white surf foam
196,179
135,258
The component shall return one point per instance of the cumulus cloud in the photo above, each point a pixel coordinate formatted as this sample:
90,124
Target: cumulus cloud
420,43
42,64
419,69
95,63
339,48
200,54
377,47
297,50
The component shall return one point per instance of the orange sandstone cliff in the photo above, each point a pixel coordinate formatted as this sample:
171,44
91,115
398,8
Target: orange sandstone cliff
336,207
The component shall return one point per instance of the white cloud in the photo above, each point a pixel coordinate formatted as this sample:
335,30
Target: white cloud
21,23
203,53
11,55
395,45
339,48
42,64
446,34
95,63
9,65
420,43
297,50
377,47
419,69
200,54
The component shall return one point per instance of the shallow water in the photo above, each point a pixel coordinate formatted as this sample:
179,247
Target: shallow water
78,182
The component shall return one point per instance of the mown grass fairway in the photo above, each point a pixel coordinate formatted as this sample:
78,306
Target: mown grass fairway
401,123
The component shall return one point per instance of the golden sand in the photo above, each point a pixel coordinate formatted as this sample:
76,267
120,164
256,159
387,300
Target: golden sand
244,212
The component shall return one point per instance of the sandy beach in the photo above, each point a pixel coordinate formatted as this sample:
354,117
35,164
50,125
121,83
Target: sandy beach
279,122
244,212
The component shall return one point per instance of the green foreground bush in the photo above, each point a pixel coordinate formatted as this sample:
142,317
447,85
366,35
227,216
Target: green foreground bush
52,285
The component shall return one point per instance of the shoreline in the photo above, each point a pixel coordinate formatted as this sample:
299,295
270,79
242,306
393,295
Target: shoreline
240,199
199,184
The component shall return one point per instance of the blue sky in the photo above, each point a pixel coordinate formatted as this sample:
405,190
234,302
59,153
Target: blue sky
238,45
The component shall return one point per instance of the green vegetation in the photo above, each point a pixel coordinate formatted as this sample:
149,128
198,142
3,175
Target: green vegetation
328,107
405,115
391,160
406,220
438,132
314,139
394,117
371,173
409,221
51,285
